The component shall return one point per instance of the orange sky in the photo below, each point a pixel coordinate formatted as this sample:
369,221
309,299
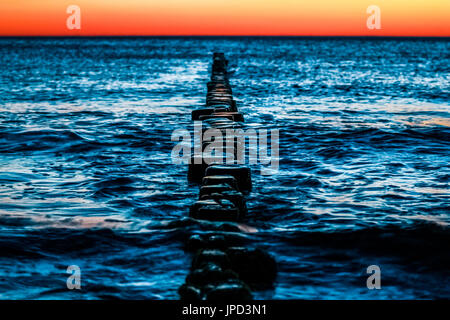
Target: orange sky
226,17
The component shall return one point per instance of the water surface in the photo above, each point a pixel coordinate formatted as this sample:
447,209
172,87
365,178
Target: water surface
86,176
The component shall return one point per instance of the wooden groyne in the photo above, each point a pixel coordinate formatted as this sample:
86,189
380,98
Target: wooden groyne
222,268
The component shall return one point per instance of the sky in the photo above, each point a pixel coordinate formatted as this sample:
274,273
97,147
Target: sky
226,17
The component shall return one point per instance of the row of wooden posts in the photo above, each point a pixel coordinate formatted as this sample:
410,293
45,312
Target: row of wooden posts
224,267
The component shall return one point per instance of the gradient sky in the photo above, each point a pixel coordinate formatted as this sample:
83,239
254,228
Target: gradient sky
226,17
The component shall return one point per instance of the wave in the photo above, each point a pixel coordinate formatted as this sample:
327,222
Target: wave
419,242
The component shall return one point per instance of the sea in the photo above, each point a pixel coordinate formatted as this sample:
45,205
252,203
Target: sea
87,178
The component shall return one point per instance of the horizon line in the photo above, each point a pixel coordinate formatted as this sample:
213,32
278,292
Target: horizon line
224,36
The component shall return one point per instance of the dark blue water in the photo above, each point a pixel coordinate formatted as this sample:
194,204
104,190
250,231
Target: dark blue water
86,175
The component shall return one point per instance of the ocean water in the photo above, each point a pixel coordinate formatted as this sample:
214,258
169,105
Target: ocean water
86,176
